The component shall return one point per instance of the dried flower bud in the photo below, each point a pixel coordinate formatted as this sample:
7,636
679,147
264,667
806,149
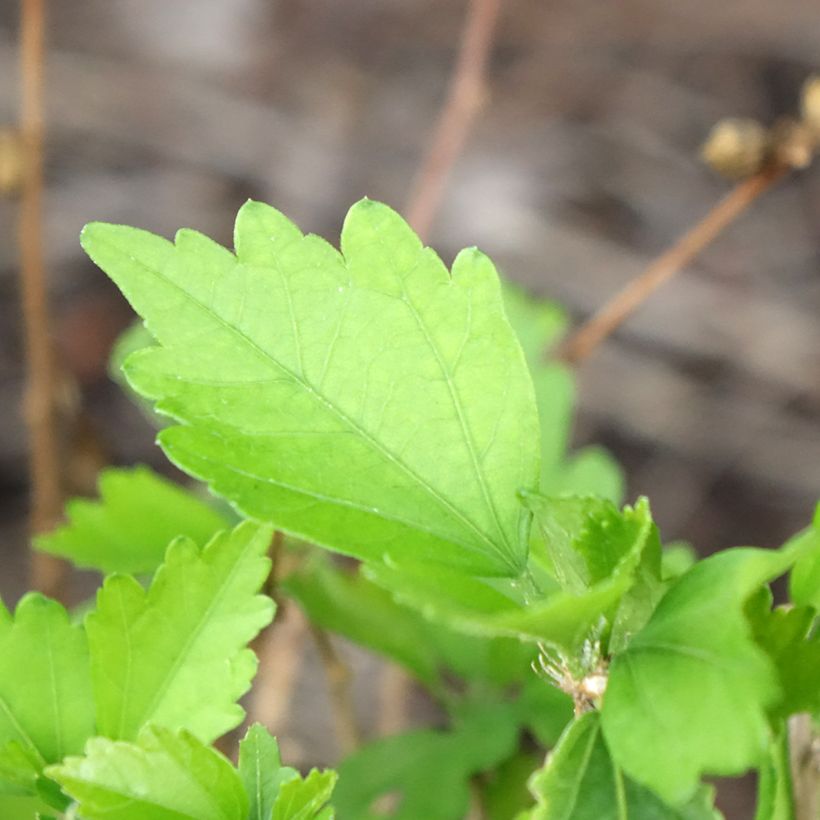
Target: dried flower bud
11,161
736,148
810,105
793,144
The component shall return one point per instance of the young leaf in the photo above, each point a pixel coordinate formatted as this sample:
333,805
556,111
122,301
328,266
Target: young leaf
581,782
162,776
368,401
306,798
262,772
128,530
695,674
46,710
804,579
425,773
786,635
175,655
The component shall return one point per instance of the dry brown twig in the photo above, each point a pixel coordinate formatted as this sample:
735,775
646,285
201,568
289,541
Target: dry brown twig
614,313
466,94
48,573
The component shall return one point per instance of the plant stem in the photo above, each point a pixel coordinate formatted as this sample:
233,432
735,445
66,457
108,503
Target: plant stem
338,679
41,388
464,99
595,330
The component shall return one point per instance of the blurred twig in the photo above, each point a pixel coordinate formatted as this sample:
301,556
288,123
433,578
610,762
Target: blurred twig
338,679
41,389
615,312
464,98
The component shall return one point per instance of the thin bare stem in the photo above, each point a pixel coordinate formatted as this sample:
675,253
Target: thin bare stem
338,679
41,388
584,340
465,96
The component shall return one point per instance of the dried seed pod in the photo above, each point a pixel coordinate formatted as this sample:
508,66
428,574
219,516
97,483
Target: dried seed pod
736,148
11,161
793,144
810,105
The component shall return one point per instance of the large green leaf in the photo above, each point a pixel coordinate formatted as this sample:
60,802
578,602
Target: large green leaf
46,711
425,773
690,694
367,401
176,655
162,776
580,781
128,530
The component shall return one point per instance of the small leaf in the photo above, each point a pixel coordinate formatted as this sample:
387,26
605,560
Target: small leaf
46,711
128,530
787,637
162,776
804,580
175,655
695,674
306,798
262,772
368,401
580,782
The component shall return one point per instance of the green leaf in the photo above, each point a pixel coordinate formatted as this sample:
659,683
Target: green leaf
425,774
46,710
368,402
787,637
21,808
262,772
306,798
804,580
162,776
129,528
591,471
581,782
695,674
175,655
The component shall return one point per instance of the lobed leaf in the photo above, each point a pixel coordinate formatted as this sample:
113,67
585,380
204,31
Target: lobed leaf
163,775
46,711
176,655
691,692
367,401
128,530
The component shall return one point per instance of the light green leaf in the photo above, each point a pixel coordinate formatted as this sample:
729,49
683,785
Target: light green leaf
139,513
162,776
788,637
369,402
804,580
425,773
175,655
262,772
695,674
581,782
539,324
46,710
306,798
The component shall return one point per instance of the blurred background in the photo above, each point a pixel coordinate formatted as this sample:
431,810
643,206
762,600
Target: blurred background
581,167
